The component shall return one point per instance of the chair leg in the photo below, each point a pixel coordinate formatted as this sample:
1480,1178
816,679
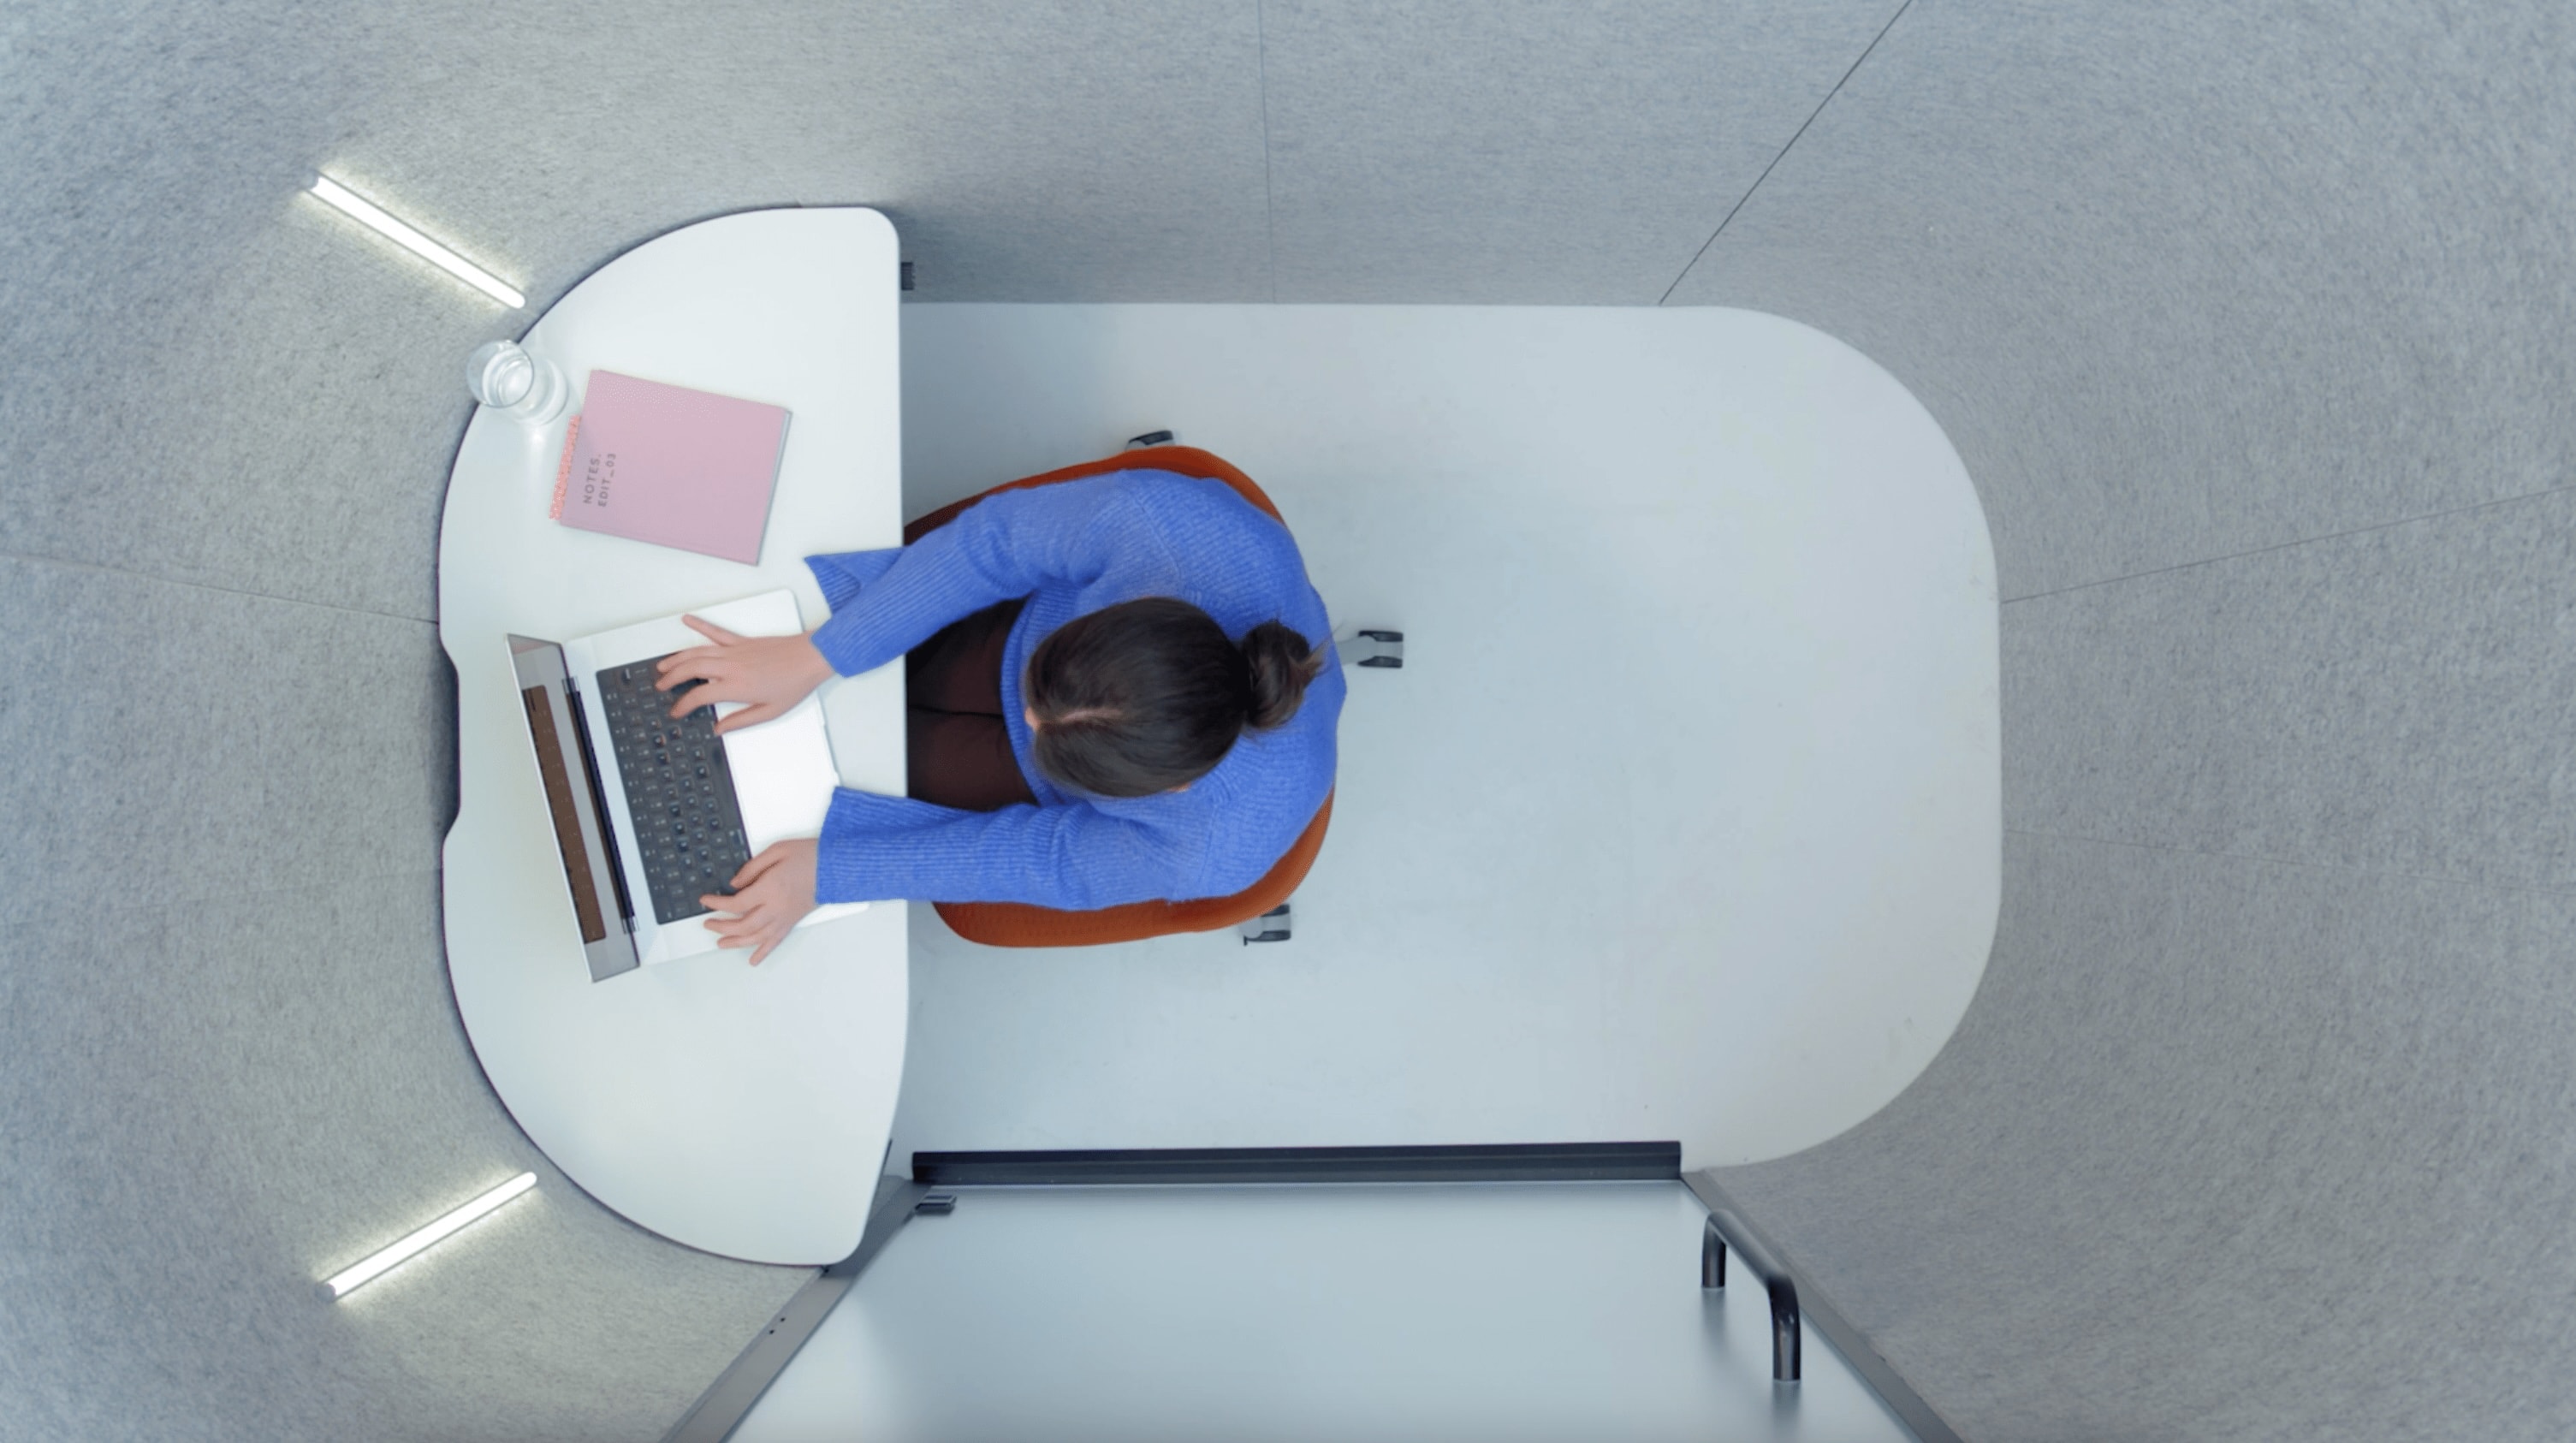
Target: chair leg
1270,926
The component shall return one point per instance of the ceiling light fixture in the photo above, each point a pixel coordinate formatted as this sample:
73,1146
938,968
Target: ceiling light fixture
367,1270
368,214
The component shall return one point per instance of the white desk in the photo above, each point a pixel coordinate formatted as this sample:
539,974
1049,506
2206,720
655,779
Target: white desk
740,1110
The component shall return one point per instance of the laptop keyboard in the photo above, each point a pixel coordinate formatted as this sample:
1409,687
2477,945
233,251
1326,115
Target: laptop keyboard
678,790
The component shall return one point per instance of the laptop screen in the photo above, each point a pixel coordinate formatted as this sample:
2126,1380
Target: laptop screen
567,815
569,778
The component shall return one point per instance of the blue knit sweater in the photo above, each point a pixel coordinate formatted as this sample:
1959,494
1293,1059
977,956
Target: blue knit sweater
1073,548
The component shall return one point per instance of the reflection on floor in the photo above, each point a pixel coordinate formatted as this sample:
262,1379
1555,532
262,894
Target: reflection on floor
1491,1311
1682,819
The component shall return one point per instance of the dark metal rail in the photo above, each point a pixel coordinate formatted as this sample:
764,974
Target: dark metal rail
1506,1162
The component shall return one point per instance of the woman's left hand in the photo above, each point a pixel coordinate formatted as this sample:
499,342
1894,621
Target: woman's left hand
770,894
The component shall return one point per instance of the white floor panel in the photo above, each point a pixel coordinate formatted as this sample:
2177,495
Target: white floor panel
1682,819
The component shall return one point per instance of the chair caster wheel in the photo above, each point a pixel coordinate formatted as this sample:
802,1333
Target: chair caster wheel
1270,926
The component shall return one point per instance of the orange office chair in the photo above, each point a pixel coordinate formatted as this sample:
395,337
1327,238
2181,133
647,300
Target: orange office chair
1017,924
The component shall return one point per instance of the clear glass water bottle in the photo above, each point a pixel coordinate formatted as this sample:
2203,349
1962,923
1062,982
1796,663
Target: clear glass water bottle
515,382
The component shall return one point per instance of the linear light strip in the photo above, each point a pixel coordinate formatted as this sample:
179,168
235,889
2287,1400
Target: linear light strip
366,213
367,1270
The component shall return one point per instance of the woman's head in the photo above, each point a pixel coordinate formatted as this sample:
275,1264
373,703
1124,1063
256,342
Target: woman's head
1149,695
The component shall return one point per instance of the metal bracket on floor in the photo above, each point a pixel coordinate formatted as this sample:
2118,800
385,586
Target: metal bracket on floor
1374,648
1794,1306
1270,926
1786,1331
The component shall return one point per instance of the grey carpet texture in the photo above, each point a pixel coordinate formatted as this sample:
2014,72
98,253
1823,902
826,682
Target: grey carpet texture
2250,323
2186,281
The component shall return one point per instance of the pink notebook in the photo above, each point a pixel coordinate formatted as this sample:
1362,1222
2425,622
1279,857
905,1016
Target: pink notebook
671,466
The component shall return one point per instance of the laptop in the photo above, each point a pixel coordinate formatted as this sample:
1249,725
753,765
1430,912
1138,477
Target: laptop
651,813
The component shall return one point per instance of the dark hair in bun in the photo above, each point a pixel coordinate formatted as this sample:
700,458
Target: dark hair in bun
1149,695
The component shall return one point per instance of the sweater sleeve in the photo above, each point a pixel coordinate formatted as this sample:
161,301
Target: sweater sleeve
879,848
1002,547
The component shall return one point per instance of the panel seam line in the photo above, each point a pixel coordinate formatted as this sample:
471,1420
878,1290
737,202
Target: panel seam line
1784,153
103,570
2286,545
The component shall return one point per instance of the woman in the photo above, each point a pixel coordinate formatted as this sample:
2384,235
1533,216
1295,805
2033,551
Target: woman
1121,688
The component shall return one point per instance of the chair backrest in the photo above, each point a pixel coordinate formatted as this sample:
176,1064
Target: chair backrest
1185,460
1016,924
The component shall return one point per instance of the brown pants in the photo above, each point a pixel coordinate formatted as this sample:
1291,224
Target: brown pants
957,748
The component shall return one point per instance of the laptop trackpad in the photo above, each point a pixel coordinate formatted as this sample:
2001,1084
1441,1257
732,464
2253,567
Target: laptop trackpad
782,774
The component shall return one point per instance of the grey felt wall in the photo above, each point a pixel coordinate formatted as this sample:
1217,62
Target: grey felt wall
2249,321
228,1061
2252,325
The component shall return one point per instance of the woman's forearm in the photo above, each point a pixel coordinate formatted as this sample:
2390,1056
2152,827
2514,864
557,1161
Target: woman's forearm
878,848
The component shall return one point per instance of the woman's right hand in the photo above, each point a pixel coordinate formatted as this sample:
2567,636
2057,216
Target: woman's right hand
768,674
